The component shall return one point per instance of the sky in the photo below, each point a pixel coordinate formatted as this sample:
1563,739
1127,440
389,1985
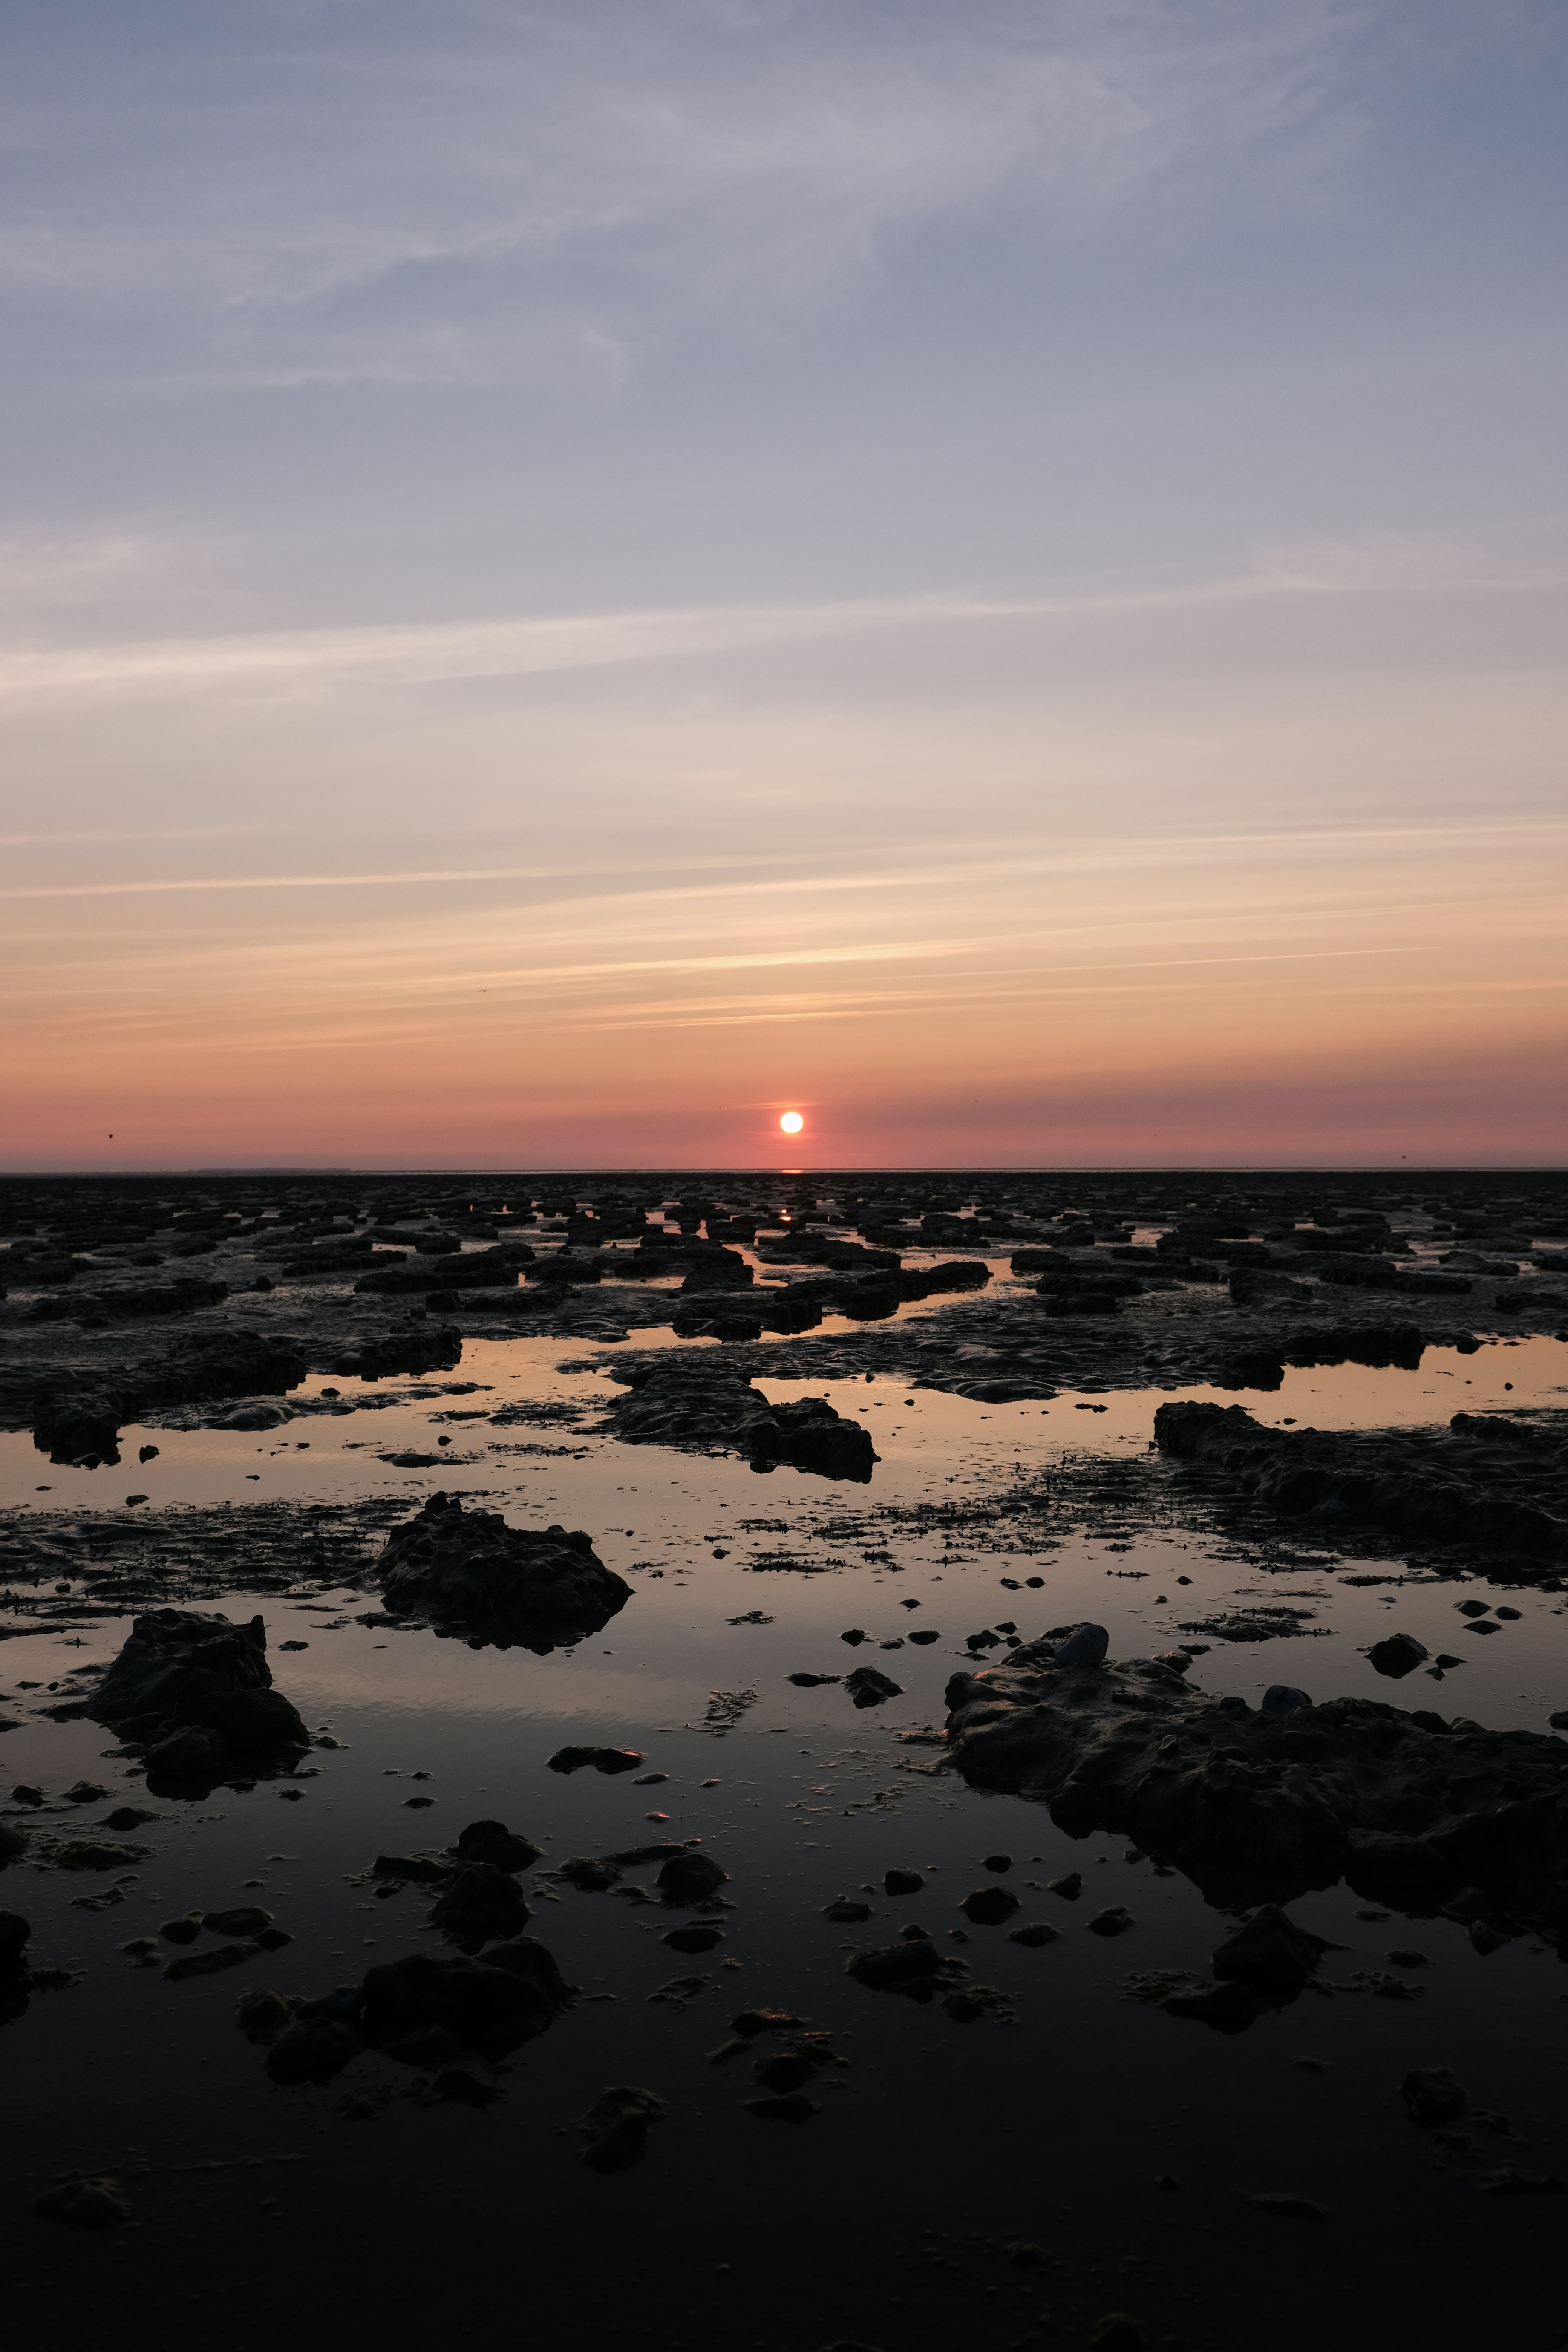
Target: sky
576,576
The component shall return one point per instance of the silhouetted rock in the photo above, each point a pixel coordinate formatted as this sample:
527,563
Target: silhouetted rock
1407,1807
198,1689
700,1404
469,1570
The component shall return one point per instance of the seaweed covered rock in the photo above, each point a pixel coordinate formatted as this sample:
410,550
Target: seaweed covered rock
198,1688
1262,1807
468,1571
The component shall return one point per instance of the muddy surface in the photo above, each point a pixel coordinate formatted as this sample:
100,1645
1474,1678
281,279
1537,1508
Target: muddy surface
657,1867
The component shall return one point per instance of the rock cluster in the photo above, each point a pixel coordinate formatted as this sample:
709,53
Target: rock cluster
694,1402
1462,1489
1261,1806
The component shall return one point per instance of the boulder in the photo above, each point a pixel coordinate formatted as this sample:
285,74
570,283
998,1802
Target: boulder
481,1903
468,1571
199,1689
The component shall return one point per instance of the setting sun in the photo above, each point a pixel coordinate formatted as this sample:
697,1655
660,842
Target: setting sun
792,1122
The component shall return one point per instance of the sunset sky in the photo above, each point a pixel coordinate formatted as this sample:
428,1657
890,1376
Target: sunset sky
576,576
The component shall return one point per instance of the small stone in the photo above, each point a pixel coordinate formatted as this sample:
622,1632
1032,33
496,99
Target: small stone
988,1907
1069,1888
1431,2096
1034,1935
694,1938
1114,1921
617,2126
901,1882
1118,2332
468,2081
998,1861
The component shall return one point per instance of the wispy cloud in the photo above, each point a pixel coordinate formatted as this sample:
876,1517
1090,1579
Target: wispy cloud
356,193
520,645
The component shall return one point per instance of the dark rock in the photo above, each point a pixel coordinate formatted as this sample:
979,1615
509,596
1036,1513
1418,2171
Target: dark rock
264,2014
903,1881
130,1817
791,2107
210,1962
480,1902
1114,1921
998,1861
200,1689
694,1938
246,1919
1441,1489
1289,2203
784,2070
469,1570
855,1636
868,1687
689,1400
1034,1935
422,1869
468,2081
1228,2008
617,2126
812,1682
312,2049
602,1759
85,2201
183,1930
494,1843
1262,1809
690,1877
989,1905
1118,2331
847,1911
1272,1954
1433,2096
889,1965
1282,1698
1396,1654
186,1760
14,1934
1069,1888
490,2004
1086,1647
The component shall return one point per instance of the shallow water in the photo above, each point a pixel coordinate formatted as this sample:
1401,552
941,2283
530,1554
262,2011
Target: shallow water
1051,2129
